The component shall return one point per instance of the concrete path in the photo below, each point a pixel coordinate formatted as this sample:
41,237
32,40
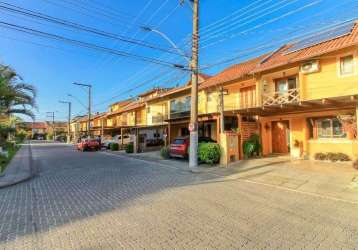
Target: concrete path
19,169
332,180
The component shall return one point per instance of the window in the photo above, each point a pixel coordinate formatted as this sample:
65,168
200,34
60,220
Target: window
284,84
330,128
346,65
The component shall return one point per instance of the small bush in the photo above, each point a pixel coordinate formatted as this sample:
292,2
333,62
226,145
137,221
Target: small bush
342,157
165,152
129,148
332,157
252,146
114,146
355,164
320,156
209,152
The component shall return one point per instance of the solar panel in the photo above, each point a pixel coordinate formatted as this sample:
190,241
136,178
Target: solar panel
323,36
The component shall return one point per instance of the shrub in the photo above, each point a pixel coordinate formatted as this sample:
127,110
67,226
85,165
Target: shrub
252,146
114,146
165,152
20,136
209,152
49,137
355,164
332,157
320,156
342,157
129,148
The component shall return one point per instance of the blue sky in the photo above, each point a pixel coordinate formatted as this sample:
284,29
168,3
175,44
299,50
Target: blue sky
230,29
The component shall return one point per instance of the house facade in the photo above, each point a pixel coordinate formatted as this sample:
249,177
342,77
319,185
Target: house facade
300,99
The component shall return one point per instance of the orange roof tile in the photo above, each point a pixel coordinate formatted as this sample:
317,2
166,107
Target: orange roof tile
282,56
232,73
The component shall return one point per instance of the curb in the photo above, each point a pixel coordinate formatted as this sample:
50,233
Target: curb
33,172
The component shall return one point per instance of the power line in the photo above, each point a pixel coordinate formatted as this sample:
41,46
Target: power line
233,25
37,15
262,24
89,45
280,41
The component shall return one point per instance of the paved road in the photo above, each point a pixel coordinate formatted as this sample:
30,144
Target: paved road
96,201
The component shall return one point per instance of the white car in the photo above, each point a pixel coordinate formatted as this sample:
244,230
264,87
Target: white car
115,139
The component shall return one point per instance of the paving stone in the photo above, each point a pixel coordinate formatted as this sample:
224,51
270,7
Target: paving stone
96,201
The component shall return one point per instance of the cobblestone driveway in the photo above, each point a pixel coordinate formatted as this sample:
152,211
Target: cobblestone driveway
96,201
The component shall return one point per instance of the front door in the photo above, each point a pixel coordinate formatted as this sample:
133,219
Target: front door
280,137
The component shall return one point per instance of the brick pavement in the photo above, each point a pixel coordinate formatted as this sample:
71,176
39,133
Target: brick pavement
96,201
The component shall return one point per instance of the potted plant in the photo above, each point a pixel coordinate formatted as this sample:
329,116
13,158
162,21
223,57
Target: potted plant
296,149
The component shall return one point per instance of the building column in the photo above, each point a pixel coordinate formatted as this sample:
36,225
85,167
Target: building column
357,121
218,128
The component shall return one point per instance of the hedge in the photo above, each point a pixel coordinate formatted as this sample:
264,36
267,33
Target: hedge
209,152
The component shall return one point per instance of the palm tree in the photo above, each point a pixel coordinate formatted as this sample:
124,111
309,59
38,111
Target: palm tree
15,97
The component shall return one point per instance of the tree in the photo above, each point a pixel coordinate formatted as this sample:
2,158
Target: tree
15,97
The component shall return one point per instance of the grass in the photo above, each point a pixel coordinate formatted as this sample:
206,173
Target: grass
5,161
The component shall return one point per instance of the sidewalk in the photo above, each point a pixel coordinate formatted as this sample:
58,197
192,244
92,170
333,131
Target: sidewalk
20,168
335,180
332,180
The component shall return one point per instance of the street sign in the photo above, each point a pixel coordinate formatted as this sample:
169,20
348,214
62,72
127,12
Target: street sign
191,127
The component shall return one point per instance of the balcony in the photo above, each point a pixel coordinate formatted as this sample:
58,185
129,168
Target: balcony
158,119
280,98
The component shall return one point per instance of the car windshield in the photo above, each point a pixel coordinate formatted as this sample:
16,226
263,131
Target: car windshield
178,141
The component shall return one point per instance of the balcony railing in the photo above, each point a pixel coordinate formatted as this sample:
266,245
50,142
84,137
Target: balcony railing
159,119
279,98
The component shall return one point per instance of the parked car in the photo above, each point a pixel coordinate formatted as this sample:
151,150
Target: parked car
88,144
180,146
106,143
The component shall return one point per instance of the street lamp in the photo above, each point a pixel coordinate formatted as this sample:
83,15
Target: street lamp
69,120
165,37
89,104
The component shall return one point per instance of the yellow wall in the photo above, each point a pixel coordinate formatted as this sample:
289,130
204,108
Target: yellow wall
141,117
328,82
348,147
232,100
157,110
299,131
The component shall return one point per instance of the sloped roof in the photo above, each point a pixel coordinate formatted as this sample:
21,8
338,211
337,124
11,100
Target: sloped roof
283,56
36,125
233,72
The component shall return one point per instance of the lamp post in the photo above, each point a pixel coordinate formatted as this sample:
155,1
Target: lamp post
165,37
89,105
69,120
194,67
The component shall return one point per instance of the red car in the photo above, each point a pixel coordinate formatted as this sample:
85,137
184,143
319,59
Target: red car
180,146
88,144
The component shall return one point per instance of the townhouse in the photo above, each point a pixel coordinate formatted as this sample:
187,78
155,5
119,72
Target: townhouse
300,99
308,95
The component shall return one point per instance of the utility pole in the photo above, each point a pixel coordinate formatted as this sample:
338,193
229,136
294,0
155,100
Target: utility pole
193,126
52,115
69,121
89,105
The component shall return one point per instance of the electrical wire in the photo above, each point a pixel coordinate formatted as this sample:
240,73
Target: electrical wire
37,15
34,32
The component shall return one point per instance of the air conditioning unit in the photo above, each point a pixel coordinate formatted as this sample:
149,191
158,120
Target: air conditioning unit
309,67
